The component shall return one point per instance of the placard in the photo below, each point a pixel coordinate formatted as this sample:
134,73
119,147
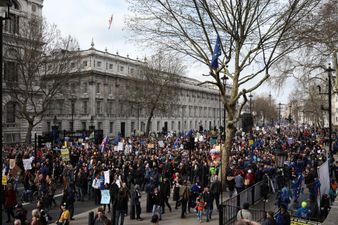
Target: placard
4,180
120,146
161,144
151,146
106,177
105,197
27,163
11,164
65,154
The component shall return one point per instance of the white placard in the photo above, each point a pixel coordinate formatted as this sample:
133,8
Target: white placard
27,163
161,144
106,177
120,146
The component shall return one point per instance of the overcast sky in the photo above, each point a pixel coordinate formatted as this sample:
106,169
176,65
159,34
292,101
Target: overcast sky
88,19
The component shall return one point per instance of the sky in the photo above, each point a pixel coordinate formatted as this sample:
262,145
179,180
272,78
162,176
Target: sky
87,20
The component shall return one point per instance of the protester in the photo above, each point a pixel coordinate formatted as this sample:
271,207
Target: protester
200,204
244,213
10,202
283,217
35,217
101,218
64,218
269,220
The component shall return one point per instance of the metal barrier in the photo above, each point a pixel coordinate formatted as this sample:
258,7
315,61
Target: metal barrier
230,207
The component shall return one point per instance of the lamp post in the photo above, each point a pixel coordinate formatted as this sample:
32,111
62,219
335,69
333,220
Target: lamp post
4,15
329,71
224,82
290,106
279,112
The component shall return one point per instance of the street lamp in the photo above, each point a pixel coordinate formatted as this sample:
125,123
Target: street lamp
290,113
279,112
329,71
224,82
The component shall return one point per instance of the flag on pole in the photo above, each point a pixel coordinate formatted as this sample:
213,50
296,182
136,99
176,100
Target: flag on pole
104,143
217,52
110,21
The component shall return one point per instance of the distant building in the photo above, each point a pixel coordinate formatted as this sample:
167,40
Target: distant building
95,102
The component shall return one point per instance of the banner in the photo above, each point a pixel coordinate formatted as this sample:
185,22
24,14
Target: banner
65,154
324,178
105,197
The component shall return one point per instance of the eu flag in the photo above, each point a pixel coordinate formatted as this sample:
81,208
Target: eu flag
217,52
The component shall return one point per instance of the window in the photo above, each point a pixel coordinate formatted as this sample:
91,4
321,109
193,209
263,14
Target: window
172,125
158,126
10,71
85,107
85,87
111,127
99,63
99,125
33,8
84,126
110,89
121,68
12,24
132,71
110,66
110,108
98,107
72,65
336,119
48,126
84,63
10,112
97,88
72,87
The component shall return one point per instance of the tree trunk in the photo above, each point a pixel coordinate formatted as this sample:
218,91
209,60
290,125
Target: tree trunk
148,122
28,138
230,134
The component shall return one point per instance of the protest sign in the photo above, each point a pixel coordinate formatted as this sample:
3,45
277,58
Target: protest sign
105,197
120,146
106,177
161,144
151,146
11,163
65,154
27,163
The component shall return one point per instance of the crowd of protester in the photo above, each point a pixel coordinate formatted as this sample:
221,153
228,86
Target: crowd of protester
184,167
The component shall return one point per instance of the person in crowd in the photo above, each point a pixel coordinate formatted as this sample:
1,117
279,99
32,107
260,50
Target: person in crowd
157,202
17,222
283,216
154,220
176,193
96,186
21,214
200,204
215,189
121,205
303,211
239,183
135,202
10,202
106,187
64,218
101,218
269,219
244,213
207,197
165,194
184,198
35,217
44,217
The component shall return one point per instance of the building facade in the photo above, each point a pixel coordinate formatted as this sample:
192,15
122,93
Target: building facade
14,129
94,100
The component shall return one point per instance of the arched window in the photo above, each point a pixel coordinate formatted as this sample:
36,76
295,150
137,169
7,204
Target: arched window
10,112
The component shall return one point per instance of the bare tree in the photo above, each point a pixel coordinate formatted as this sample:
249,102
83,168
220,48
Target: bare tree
251,32
154,89
42,61
265,109
319,37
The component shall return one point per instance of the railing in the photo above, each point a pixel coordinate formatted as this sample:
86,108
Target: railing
230,207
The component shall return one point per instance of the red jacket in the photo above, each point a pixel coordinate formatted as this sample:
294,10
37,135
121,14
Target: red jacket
10,198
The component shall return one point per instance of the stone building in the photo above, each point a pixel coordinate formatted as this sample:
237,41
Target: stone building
14,129
93,100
